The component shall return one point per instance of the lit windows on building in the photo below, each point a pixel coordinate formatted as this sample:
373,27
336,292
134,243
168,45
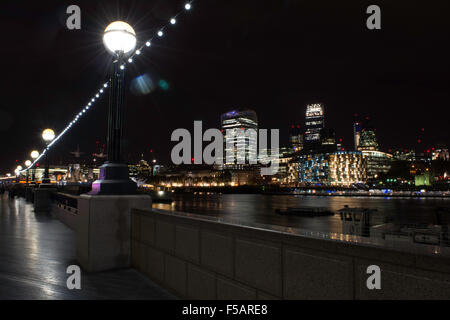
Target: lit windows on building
377,163
347,168
405,155
337,168
313,168
368,140
328,139
235,125
314,122
440,153
356,134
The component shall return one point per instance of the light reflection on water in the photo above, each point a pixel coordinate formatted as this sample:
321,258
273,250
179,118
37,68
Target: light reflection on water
255,208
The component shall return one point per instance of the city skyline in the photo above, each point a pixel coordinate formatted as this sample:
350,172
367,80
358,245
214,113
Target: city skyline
228,150
203,78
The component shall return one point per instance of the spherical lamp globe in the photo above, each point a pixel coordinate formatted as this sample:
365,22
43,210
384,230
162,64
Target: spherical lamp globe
48,135
119,38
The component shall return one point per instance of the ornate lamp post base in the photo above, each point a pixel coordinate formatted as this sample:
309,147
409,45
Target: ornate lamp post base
113,180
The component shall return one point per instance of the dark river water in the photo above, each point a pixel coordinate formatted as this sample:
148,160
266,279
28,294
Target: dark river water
256,208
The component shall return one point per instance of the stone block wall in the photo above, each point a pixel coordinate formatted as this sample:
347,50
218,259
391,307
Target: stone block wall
199,258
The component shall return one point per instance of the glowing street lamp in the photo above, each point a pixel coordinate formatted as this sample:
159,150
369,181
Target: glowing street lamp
27,164
17,172
34,155
48,135
119,39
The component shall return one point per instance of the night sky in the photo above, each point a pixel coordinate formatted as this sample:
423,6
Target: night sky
270,56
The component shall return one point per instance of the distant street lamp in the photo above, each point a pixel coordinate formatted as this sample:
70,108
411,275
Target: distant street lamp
48,135
119,39
17,172
27,164
34,155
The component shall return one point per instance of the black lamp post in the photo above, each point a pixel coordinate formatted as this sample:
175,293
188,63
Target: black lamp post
48,135
28,164
120,39
34,155
17,172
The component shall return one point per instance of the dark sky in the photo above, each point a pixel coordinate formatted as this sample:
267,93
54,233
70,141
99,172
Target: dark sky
270,56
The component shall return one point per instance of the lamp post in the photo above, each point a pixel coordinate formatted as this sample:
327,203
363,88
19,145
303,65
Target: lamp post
48,135
34,155
17,172
27,164
119,39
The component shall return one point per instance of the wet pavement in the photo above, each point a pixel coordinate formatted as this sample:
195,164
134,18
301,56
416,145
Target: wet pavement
35,251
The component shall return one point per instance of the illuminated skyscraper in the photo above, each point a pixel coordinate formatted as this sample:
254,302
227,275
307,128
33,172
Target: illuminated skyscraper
234,124
377,162
314,122
368,140
356,134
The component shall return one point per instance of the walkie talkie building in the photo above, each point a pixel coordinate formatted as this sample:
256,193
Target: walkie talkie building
314,122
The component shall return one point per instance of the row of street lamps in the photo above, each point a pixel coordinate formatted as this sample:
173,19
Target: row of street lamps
120,40
47,135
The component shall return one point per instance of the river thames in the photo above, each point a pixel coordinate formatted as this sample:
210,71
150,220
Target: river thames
257,208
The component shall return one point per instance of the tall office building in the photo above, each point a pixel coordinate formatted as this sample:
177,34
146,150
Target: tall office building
377,162
368,140
234,123
314,122
356,134
296,138
328,140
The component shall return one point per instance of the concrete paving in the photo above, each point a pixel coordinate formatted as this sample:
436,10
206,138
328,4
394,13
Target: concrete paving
35,251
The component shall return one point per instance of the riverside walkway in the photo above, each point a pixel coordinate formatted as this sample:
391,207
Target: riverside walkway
36,249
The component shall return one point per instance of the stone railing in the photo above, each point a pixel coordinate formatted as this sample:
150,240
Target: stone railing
208,258
65,209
